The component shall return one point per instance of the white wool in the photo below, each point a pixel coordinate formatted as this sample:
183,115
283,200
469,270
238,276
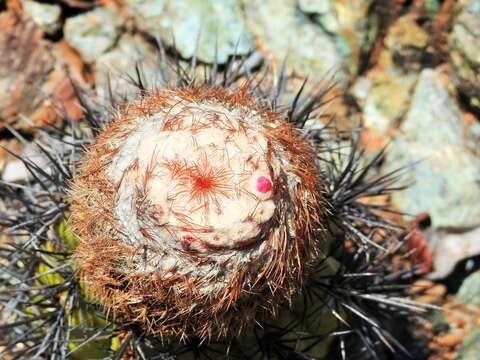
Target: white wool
231,143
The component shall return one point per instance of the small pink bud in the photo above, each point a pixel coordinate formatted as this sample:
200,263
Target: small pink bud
263,184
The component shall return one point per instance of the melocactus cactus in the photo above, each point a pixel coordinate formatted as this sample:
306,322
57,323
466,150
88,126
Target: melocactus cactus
196,209
202,210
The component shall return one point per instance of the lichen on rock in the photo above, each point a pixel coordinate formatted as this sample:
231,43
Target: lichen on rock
436,137
464,43
213,30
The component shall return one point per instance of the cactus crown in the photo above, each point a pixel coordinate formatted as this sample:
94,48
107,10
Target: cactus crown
201,205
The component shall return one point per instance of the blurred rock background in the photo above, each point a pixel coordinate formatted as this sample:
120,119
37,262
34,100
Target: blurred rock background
408,71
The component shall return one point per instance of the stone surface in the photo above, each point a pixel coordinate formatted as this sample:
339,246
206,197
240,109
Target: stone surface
448,249
46,16
315,6
118,64
307,48
384,93
16,171
14,146
437,139
25,64
348,23
470,348
405,36
384,98
465,49
35,76
94,32
469,292
184,21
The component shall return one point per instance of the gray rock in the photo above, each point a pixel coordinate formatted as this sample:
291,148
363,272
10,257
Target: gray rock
446,173
316,6
119,63
348,23
361,88
470,348
45,16
469,292
465,49
407,40
94,32
26,65
285,32
16,171
386,99
448,249
184,21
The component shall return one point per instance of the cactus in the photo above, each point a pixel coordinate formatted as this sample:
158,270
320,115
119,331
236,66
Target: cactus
206,219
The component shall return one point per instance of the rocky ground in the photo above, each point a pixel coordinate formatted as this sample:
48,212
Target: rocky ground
409,71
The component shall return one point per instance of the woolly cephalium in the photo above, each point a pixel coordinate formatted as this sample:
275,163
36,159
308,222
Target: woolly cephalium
196,209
